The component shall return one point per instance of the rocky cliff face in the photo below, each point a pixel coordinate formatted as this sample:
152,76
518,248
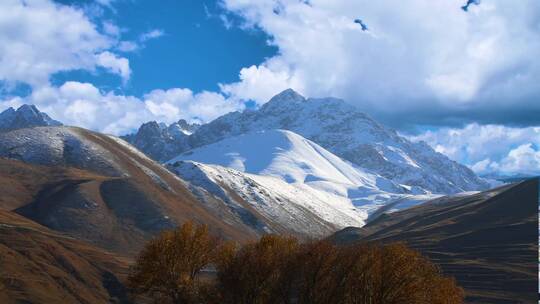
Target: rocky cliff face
25,116
162,142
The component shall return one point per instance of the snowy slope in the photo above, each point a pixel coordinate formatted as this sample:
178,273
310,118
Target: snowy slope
350,134
287,155
59,146
269,204
295,169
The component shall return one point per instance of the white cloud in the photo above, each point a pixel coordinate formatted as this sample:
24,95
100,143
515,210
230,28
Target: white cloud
483,166
523,159
178,103
153,34
115,64
260,83
131,46
421,59
111,29
39,38
82,104
488,148
107,3
127,46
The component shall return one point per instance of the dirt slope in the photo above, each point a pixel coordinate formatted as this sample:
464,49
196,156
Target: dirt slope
38,265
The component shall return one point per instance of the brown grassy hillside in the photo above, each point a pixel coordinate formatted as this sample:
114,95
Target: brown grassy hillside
38,265
488,241
117,209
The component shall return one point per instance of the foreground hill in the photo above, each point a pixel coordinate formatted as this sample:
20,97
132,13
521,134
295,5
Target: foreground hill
488,241
97,187
38,265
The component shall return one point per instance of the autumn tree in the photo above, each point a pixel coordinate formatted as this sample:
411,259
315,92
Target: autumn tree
259,272
281,270
168,267
318,269
393,273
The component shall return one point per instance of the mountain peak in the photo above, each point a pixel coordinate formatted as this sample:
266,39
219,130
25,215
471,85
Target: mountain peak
183,126
25,116
289,95
159,141
283,102
28,108
151,128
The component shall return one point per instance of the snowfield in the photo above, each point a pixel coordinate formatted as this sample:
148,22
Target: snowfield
280,173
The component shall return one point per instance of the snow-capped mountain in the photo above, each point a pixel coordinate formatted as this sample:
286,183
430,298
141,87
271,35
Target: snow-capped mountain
162,142
269,204
350,134
276,166
25,116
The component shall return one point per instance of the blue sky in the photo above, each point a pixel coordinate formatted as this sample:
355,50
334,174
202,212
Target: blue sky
459,80
196,49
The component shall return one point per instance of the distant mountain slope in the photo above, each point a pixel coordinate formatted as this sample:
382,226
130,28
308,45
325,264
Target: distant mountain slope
350,134
315,178
38,265
162,142
25,116
97,187
488,241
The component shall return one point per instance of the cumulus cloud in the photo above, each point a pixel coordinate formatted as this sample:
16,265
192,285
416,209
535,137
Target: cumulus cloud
260,83
39,38
523,159
115,64
178,103
489,148
82,104
422,61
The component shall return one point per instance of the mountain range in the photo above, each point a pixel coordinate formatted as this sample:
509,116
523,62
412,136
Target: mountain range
346,132
257,167
77,205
